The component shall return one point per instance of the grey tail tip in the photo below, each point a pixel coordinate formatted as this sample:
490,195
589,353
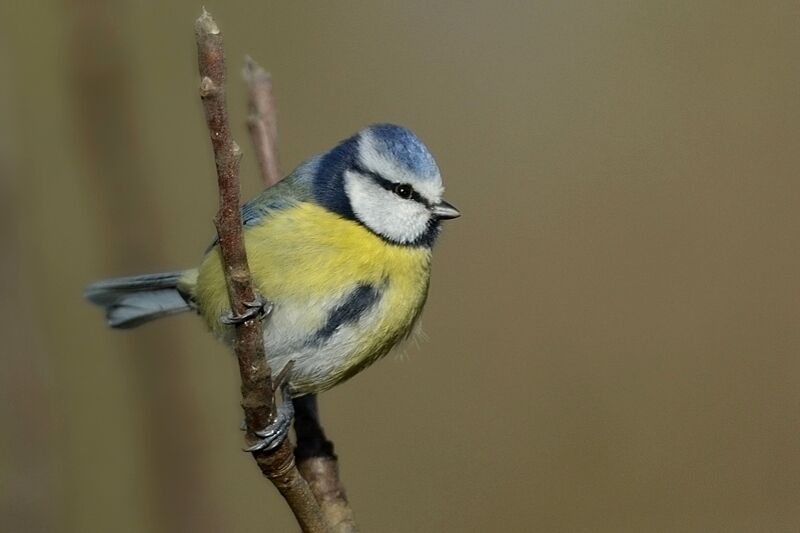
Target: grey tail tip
133,301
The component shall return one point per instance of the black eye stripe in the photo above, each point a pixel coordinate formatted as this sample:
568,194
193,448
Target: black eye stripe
389,185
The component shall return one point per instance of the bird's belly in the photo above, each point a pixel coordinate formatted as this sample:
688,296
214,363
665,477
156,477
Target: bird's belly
318,364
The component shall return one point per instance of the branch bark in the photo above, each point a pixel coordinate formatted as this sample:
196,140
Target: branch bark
256,375
262,121
318,464
314,453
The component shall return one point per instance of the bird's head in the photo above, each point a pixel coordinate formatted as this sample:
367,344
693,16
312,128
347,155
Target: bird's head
385,178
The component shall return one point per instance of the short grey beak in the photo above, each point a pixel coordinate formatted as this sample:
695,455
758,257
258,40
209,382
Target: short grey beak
444,211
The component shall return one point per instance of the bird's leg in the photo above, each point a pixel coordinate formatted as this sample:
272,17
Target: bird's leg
311,439
274,434
257,308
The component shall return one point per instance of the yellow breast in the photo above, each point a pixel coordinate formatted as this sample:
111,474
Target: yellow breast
306,254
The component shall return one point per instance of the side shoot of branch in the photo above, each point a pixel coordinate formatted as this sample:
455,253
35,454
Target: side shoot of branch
261,120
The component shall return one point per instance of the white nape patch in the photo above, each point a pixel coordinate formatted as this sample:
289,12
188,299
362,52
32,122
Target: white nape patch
381,163
384,212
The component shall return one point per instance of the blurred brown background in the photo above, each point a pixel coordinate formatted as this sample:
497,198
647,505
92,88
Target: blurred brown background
613,339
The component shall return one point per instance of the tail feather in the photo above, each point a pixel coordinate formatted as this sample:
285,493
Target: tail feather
132,301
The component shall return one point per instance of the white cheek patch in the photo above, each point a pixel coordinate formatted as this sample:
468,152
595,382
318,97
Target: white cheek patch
384,212
376,161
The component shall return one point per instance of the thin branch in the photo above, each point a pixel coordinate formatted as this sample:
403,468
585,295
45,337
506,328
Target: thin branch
314,453
257,390
261,120
318,465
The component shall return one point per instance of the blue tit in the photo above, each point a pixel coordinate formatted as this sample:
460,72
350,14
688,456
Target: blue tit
341,249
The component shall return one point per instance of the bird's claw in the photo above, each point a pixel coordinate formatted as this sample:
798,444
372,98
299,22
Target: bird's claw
258,308
277,383
273,435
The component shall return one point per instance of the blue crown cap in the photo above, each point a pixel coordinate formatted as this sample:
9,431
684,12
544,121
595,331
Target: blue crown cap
405,148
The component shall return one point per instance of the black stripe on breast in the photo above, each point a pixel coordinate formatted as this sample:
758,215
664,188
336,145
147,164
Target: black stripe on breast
349,311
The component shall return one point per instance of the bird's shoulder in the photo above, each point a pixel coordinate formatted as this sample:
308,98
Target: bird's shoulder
294,189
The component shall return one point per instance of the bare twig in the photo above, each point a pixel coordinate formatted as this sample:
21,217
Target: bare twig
261,120
318,464
314,453
257,390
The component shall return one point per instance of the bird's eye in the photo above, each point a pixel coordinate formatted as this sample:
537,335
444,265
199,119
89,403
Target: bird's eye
403,190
